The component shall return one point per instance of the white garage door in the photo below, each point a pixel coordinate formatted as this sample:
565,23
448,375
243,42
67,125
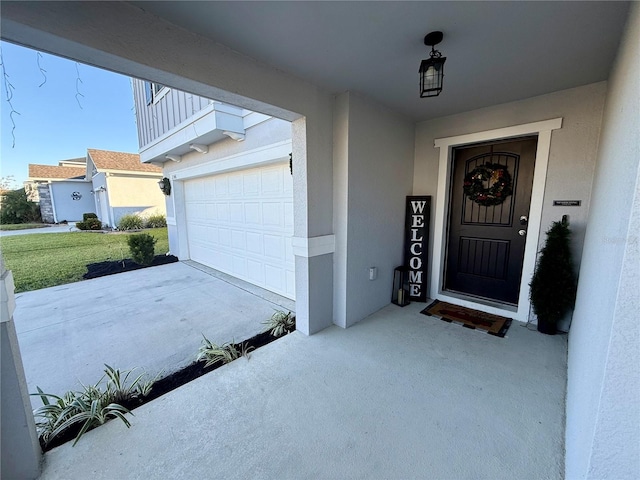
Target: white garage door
241,223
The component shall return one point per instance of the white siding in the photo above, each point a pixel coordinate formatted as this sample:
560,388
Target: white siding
164,114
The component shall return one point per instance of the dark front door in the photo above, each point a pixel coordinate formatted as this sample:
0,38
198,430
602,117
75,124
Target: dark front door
490,197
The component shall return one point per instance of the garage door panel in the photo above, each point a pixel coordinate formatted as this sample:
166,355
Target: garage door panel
272,214
240,265
221,186
252,213
235,186
238,240
241,223
271,181
275,276
251,184
273,247
255,243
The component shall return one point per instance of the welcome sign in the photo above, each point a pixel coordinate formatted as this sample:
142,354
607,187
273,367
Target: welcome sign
416,243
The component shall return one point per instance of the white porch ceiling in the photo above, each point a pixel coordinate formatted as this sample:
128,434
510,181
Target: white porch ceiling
496,52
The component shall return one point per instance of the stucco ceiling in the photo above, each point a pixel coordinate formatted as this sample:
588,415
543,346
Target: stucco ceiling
496,51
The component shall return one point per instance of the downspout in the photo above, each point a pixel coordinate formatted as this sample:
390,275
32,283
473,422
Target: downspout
53,204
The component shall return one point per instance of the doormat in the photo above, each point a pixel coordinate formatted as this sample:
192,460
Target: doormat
485,322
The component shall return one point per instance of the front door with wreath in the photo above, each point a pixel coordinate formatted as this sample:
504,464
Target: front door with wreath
488,216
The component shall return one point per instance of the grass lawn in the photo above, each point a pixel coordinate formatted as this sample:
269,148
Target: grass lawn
43,260
22,226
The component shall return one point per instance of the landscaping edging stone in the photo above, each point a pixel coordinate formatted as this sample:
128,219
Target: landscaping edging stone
101,269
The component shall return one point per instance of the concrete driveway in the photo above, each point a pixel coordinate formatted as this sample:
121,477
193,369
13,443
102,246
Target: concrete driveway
52,229
152,318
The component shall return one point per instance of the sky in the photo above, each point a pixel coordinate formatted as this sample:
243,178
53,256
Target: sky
54,122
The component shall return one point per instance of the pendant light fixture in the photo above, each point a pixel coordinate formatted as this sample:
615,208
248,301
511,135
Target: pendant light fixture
432,70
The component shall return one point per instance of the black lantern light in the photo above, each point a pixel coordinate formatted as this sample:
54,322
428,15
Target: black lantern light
400,291
165,186
432,70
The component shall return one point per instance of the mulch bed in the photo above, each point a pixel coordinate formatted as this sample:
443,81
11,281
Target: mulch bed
100,269
167,384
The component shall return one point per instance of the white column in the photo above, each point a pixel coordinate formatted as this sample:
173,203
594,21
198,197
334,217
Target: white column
21,453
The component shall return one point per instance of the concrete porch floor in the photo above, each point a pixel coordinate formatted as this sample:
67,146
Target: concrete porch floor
151,318
398,395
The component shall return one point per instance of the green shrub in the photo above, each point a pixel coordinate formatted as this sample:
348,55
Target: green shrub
131,222
90,407
17,208
280,323
87,216
142,248
210,353
156,221
89,224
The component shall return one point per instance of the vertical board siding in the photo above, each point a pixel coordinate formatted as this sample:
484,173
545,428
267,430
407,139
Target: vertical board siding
156,119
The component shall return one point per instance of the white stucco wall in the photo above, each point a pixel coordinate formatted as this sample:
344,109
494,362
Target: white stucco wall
373,159
571,159
131,194
603,386
67,208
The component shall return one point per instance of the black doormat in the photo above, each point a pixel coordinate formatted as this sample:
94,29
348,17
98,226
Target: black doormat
101,269
469,318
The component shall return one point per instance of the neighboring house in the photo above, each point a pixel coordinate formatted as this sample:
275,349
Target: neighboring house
62,190
110,184
122,185
362,139
231,204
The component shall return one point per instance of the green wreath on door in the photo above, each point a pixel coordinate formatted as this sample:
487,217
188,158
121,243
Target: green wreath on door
488,184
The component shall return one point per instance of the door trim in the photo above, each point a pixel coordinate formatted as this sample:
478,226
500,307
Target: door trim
543,130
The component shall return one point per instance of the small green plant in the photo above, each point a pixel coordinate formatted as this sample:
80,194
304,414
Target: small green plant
131,222
89,224
210,353
87,216
156,221
280,323
90,407
142,248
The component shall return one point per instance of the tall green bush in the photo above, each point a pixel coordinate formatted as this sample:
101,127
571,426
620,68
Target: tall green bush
142,248
17,208
554,283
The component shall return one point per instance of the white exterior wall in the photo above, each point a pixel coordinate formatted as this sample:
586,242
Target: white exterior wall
373,160
131,194
571,158
603,386
67,208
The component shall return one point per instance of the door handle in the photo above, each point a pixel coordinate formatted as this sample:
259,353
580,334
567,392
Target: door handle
522,233
523,220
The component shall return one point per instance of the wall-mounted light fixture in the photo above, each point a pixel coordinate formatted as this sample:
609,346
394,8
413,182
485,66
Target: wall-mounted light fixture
432,70
198,147
174,158
165,186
